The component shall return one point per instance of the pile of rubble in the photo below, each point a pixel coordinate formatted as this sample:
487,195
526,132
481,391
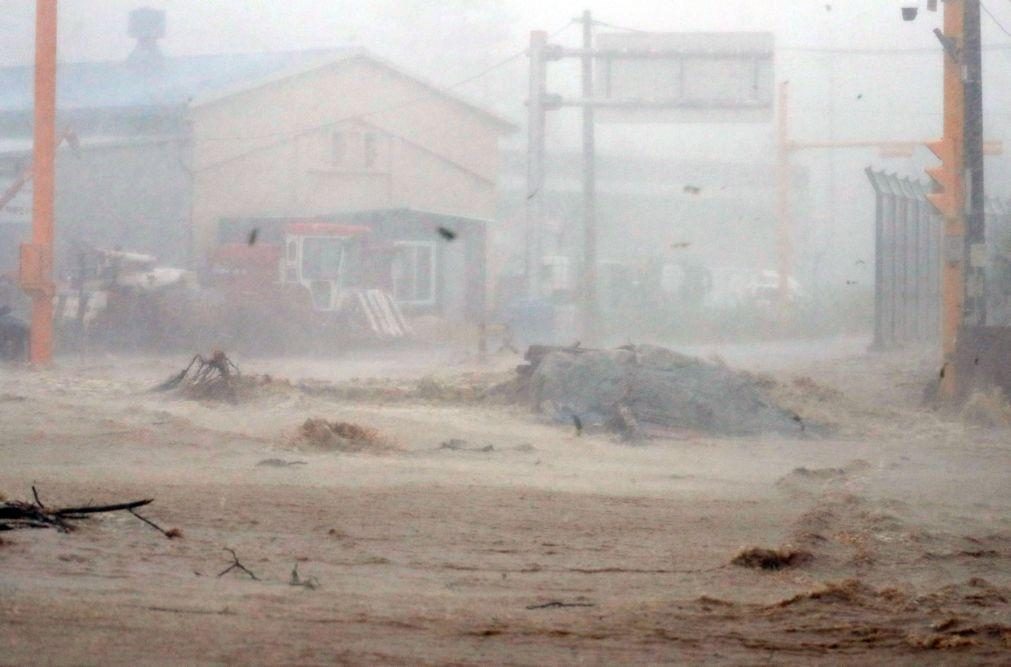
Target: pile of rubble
639,389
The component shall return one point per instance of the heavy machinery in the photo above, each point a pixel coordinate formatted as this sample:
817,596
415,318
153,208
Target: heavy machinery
298,287
331,281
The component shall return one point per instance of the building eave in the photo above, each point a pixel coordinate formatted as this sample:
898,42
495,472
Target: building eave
503,124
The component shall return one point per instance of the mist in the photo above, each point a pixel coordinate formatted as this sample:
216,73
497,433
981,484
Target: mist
373,333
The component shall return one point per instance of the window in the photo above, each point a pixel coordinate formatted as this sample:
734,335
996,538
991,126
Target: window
322,258
291,262
414,273
338,147
371,150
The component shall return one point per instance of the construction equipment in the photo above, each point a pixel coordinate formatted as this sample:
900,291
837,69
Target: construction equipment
330,281
297,287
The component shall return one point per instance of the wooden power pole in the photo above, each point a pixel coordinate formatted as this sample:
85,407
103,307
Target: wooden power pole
37,256
535,160
784,219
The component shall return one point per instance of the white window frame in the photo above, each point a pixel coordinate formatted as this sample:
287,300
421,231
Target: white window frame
434,278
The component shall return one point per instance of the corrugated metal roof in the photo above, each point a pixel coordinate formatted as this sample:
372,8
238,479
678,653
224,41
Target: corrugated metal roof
176,81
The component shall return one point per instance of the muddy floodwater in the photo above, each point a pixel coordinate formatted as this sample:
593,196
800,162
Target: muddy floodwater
431,524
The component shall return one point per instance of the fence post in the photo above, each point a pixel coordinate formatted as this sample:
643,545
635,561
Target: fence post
879,261
897,260
915,260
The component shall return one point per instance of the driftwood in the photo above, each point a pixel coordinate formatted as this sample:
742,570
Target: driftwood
171,533
17,514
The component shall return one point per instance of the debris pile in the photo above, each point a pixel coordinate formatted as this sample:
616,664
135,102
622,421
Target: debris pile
205,379
638,389
320,434
218,379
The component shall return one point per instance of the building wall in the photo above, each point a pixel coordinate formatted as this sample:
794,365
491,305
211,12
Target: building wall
272,151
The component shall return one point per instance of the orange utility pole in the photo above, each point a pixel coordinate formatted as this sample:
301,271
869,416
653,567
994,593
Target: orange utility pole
949,200
37,256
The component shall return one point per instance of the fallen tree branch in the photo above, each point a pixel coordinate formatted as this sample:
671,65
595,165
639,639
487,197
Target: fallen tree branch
17,514
172,533
558,604
96,509
236,565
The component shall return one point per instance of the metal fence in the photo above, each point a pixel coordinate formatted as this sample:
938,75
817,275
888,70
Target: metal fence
907,262
907,265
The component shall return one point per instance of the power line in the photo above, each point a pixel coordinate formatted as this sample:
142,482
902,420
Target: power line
504,61
604,24
395,107
995,20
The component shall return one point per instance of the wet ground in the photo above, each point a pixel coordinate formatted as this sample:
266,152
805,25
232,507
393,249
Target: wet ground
480,533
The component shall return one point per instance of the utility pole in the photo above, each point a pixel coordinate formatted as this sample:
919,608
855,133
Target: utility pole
959,178
679,53
975,232
784,217
535,161
37,256
589,286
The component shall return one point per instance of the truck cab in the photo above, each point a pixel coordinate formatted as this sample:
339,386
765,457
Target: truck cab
325,259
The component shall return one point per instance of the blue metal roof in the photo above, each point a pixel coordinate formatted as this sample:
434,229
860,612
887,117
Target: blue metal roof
173,81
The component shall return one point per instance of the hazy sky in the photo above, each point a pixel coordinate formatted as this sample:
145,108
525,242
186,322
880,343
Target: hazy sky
845,96
451,39
854,96
95,29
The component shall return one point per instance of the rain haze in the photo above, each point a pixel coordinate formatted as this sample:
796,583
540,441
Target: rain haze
505,332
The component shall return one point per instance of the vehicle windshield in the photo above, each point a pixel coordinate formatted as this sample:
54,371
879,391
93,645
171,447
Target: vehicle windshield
322,258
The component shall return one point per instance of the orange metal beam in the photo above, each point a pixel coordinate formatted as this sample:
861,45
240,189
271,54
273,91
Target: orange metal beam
37,257
995,147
